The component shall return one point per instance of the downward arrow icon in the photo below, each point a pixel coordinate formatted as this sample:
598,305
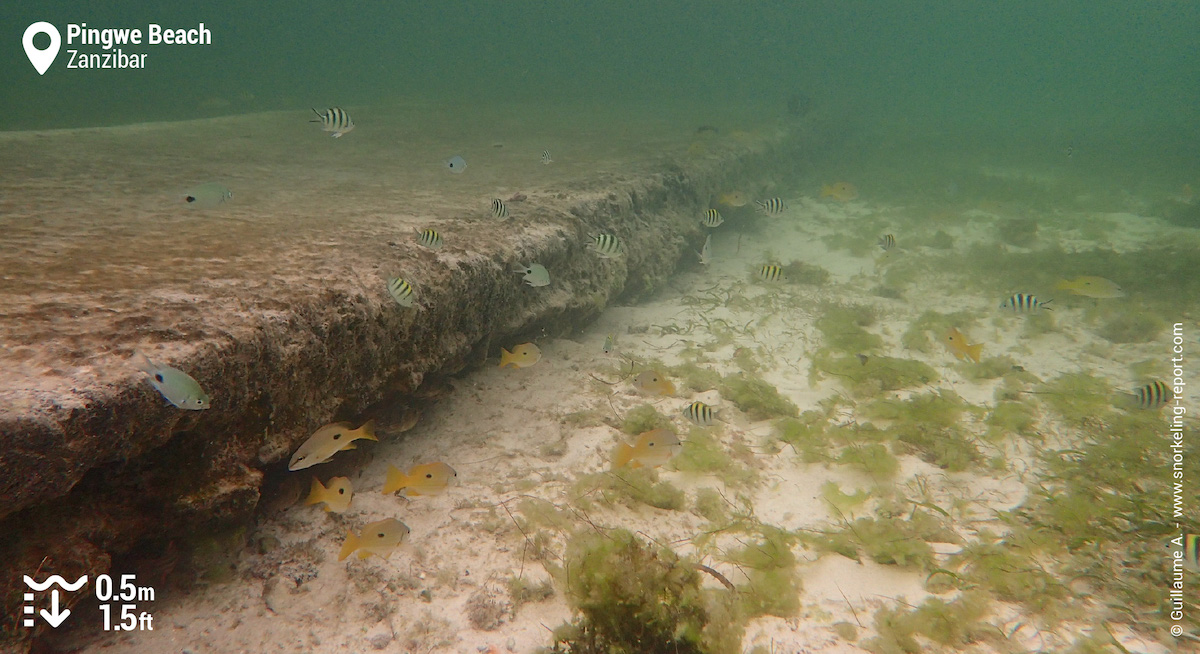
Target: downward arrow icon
53,617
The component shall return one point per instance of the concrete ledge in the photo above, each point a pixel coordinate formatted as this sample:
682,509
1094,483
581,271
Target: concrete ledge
276,302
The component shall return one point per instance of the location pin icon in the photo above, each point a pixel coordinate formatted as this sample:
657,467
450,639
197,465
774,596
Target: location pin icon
41,59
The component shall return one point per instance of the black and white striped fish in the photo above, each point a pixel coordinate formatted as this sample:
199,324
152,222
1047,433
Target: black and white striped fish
429,238
699,413
771,206
1022,303
887,242
712,218
1153,395
769,272
335,119
605,245
401,291
499,209
546,157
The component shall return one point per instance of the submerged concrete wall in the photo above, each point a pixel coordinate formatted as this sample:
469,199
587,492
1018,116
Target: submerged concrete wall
277,304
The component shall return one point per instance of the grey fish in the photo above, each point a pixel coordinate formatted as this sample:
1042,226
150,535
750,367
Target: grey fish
180,389
207,196
535,274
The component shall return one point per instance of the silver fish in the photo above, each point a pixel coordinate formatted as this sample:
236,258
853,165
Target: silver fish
180,389
335,119
207,196
535,274
705,250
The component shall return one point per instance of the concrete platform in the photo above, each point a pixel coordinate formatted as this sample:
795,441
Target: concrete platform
276,302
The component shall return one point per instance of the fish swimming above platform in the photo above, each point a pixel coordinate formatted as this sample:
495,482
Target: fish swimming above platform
207,196
336,496
401,291
430,238
651,449
378,539
535,274
178,387
335,119
499,209
424,479
712,219
546,158
522,356
329,440
956,342
605,245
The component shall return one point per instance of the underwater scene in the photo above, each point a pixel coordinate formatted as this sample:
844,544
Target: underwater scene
600,328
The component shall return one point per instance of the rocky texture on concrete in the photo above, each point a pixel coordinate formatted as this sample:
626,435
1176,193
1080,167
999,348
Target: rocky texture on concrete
276,302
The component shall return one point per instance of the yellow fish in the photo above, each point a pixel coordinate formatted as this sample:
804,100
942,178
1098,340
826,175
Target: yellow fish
522,356
651,449
654,383
336,496
378,538
329,440
957,344
1097,287
733,199
840,191
424,479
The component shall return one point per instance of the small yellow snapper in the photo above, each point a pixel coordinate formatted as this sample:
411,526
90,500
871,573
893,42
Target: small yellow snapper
956,342
1087,286
522,356
733,199
378,538
336,496
178,387
651,449
840,191
654,383
424,479
329,440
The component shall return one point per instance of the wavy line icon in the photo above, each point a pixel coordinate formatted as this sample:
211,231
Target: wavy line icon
56,579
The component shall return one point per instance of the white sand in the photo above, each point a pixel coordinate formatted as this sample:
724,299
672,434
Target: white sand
504,431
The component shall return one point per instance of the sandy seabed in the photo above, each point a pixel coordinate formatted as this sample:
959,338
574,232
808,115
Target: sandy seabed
516,434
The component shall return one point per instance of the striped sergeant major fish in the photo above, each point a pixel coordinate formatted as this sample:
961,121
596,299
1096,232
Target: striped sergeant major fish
771,206
712,218
546,157
429,238
1153,395
499,209
401,291
699,413
1024,303
887,242
605,245
335,119
769,272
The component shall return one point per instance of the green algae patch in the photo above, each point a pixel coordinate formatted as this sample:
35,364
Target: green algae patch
1011,418
630,487
756,398
875,459
843,326
634,597
694,378
1079,397
868,376
702,454
889,540
1133,325
953,624
916,337
772,586
930,425
644,418
799,272
988,368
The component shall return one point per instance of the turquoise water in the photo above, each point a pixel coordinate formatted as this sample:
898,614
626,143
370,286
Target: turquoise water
1105,66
